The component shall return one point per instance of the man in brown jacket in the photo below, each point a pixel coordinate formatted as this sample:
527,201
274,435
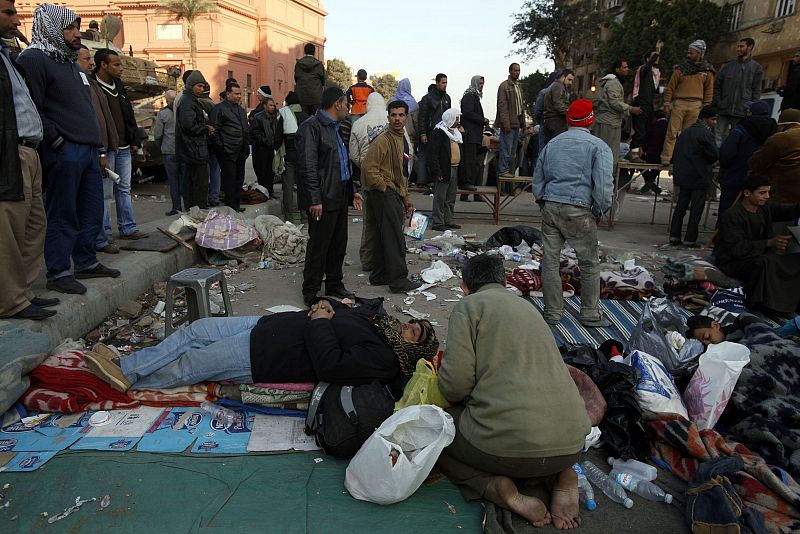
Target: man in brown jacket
779,158
689,89
510,118
385,176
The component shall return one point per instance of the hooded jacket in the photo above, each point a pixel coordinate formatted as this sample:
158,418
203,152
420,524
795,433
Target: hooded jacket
695,153
739,146
736,83
191,131
609,106
309,78
431,108
368,128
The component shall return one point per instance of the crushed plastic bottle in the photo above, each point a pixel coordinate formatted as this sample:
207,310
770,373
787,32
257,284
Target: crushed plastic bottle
585,490
640,487
636,468
104,502
221,414
608,485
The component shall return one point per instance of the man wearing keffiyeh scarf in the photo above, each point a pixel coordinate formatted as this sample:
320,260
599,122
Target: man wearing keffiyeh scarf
408,353
56,32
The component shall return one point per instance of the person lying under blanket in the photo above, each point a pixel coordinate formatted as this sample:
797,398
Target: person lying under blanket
331,342
709,332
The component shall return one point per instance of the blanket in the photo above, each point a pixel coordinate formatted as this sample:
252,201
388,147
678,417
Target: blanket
283,242
192,395
683,447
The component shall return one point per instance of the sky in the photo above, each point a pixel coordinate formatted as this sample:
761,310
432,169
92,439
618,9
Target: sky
419,38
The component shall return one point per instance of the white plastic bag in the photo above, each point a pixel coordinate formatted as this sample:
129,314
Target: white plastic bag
399,455
711,386
438,272
656,389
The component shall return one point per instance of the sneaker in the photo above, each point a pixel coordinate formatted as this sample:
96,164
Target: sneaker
101,271
108,249
552,321
464,198
506,175
106,370
45,303
600,322
138,234
408,285
66,284
33,313
109,353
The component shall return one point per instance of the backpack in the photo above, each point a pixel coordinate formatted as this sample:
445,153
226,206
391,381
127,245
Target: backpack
341,418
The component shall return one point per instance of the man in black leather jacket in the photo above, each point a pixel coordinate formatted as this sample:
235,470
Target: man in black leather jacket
432,107
324,188
231,143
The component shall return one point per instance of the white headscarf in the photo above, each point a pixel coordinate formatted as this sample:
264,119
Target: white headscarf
289,120
446,124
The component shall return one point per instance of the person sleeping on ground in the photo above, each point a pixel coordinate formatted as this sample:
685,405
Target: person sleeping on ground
331,342
519,416
710,332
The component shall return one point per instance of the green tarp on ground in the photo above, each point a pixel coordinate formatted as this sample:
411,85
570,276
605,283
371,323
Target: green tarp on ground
249,493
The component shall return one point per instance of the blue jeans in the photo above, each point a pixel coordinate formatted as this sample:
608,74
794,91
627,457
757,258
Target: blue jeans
121,163
105,229
215,178
508,148
214,348
74,205
174,170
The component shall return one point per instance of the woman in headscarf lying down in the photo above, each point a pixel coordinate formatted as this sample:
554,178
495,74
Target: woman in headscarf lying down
331,342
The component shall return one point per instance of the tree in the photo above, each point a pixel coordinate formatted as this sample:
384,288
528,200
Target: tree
676,22
338,74
385,85
531,85
561,27
188,10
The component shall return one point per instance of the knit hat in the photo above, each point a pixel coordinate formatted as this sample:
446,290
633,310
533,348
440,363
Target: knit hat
580,113
707,112
700,46
759,108
789,116
292,98
264,91
194,78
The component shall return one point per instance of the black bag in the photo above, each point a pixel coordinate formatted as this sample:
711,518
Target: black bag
341,418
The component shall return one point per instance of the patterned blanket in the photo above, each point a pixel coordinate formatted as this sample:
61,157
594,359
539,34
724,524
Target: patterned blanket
683,447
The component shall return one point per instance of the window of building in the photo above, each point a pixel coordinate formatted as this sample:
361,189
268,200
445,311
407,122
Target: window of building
230,74
736,16
249,80
166,32
785,8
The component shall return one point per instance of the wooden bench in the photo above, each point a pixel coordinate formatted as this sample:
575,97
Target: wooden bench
489,195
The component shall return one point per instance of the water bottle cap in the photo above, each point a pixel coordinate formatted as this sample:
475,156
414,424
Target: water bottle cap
591,505
610,460
668,498
628,503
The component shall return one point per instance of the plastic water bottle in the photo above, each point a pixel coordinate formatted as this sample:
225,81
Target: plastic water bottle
585,490
640,487
609,486
221,414
358,219
636,468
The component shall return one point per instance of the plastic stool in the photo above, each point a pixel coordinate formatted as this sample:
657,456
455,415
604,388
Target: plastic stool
196,284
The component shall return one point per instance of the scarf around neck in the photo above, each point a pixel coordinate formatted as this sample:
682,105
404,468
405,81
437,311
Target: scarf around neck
474,86
446,125
408,353
688,68
49,22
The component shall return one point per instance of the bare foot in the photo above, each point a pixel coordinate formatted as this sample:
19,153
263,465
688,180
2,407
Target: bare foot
564,501
503,492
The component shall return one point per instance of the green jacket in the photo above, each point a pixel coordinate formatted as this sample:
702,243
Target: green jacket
502,363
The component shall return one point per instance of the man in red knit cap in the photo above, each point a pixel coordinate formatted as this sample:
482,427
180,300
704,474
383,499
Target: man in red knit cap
573,184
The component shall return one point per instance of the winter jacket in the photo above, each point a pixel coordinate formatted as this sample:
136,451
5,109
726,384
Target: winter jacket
431,108
556,101
191,131
739,146
736,83
309,78
575,168
266,131
233,132
508,114
609,106
382,166
357,96
368,128
319,175
697,86
791,91
779,159
10,167
164,130
695,153
438,155
472,118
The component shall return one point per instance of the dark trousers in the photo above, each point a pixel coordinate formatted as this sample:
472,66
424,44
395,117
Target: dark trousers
471,469
640,123
696,198
325,251
368,231
196,192
262,165
73,203
174,170
232,171
288,195
388,247
469,164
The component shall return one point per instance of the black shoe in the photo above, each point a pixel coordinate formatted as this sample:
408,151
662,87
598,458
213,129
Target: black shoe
646,188
34,313
440,227
378,282
469,187
674,242
453,226
66,284
465,198
170,213
240,210
309,298
214,203
101,271
408,285
340,293
45,303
